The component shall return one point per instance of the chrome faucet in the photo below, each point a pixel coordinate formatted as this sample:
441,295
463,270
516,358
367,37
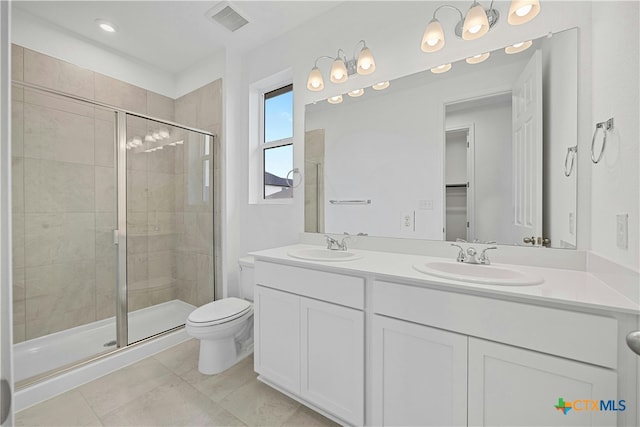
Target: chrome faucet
339,245
470,255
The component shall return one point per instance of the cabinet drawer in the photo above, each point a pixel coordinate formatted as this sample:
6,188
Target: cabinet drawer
579,336
332,287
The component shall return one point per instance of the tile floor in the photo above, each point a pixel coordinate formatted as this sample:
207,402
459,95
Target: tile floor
167,389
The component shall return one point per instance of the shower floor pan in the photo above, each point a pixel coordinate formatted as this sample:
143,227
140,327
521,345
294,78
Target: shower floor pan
43,354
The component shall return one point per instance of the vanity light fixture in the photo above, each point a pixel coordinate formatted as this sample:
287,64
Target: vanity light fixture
476,59
522,11
441,69
335,99
518,47
106,26
476,22
342,67
356,93
380,86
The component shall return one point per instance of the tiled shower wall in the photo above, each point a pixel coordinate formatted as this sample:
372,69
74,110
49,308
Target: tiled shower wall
64,200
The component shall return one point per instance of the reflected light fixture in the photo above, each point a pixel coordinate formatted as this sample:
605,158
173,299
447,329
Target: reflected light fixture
441,69
380,86
106,26
476,59
518,47
335,99
343,67
477,22
356,93
522,11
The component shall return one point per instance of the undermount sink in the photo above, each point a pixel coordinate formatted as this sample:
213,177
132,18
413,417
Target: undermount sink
320,254
477,273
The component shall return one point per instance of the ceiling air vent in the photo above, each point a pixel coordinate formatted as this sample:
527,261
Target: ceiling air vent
226,16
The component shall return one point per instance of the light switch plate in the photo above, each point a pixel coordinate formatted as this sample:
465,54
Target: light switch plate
622,231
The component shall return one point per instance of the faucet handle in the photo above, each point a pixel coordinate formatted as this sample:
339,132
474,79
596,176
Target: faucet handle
484,259
461,255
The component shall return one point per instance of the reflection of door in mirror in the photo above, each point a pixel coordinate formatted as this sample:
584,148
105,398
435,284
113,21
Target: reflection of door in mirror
488,168
527,151
458,210
314,181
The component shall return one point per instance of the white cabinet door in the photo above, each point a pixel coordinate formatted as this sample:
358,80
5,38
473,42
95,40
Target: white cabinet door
419,375
332,359
512,386
277,337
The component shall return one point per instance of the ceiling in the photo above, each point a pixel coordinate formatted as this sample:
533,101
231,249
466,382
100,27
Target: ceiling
173,35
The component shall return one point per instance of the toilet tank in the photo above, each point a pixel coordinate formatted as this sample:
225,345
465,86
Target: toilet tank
245,277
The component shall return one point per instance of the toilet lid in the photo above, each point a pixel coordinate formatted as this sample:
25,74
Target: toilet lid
223,310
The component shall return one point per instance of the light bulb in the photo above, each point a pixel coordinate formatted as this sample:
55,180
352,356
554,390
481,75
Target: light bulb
380,86
518,47
315,82
335,99
522,11
441,68
476,23
339,71
366,63
106,26
476,59
433,38
356,93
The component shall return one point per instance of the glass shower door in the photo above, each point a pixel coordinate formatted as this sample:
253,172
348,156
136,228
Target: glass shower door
169,217
63,216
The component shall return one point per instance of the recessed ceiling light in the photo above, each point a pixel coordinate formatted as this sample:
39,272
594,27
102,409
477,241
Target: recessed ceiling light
106,26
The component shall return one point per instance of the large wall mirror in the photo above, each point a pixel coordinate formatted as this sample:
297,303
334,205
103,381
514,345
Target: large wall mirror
483,152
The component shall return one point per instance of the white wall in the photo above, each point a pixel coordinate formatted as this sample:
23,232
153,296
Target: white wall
616,76
560,76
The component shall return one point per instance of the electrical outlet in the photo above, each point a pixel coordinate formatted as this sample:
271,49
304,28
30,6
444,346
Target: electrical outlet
622,231
407,221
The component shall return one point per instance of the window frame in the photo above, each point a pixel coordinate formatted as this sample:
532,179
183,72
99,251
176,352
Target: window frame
277,89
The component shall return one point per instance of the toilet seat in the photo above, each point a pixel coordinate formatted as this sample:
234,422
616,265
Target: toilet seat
220,311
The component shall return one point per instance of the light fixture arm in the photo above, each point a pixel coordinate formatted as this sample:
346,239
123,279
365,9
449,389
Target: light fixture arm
315,64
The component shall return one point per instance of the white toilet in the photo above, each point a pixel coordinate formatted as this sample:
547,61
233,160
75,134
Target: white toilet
225,327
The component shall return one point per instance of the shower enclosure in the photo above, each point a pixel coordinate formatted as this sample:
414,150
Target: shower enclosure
112,228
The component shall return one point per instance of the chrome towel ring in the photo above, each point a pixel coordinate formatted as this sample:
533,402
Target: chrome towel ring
572,152
605,126
293,173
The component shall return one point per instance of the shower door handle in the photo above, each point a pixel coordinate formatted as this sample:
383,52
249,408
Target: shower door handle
5,399
633,341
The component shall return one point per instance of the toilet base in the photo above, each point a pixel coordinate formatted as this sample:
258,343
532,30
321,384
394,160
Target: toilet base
217,355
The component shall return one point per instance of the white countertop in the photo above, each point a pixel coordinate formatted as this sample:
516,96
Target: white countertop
567,287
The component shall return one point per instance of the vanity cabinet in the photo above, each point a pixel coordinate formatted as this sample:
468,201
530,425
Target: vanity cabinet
309,337
419,375
441,358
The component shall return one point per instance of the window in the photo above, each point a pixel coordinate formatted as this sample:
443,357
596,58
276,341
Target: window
277,143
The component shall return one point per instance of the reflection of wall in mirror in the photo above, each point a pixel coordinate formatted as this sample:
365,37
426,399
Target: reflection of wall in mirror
560,92
314,181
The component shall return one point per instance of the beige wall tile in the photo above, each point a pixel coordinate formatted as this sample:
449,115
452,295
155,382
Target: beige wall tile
137,271
106,222
52,186
105,189
55,74
162,265
162,160
160,106
105,143
161,192
57,135
17,128
18,242
56,102
17,184
137,192
120,94
17,62
106,277
59,296
209,104
19,305
204,279
186,108
59,238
